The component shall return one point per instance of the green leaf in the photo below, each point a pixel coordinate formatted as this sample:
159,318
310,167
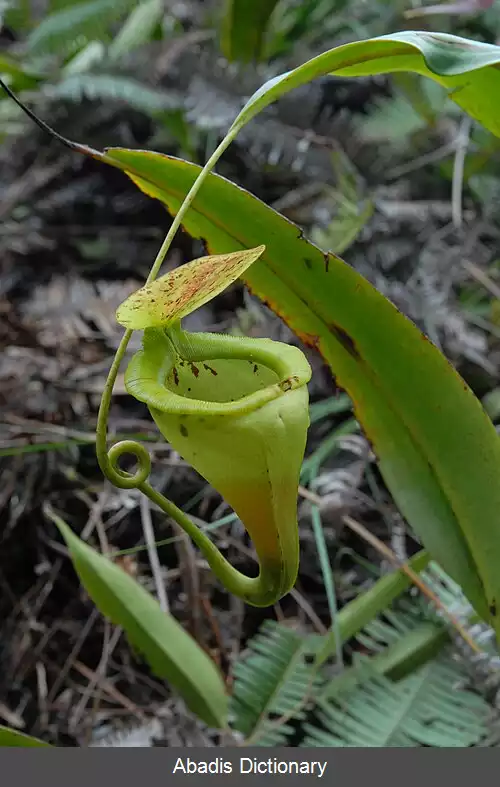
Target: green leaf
392,121
438,451
85,59
169,650
244,27
10,738
138,29
469,69
184,290
12,120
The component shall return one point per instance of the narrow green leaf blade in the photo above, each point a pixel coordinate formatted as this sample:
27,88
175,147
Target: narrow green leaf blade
137,29
10,738
169,650
244,27
469,69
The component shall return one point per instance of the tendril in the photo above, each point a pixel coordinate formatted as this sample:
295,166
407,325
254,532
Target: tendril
125,480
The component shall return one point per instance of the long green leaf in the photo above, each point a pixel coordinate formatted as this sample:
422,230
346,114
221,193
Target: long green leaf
438,451
244,27
10,738
469,69
169,650
138,28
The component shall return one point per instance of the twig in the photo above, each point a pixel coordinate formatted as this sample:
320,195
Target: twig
216,632
309,611
149,537
467,7
421,161
41,681
462,144
482,277
190,576
94,615
95,522
95,679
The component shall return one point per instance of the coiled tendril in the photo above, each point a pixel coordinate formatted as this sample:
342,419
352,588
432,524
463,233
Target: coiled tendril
122,479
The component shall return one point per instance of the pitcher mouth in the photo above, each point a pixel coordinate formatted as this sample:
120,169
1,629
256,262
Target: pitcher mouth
185,374
219,380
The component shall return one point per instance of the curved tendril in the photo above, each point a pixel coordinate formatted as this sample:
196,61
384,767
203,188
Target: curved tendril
262,590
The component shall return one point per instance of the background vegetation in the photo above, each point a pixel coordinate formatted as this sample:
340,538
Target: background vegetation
385,172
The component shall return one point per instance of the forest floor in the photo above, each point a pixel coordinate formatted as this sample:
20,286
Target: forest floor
76,239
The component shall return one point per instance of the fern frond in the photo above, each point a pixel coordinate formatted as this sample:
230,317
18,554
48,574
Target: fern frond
385,630
399,641
271,681
425,709
484,668
103,87
62,31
